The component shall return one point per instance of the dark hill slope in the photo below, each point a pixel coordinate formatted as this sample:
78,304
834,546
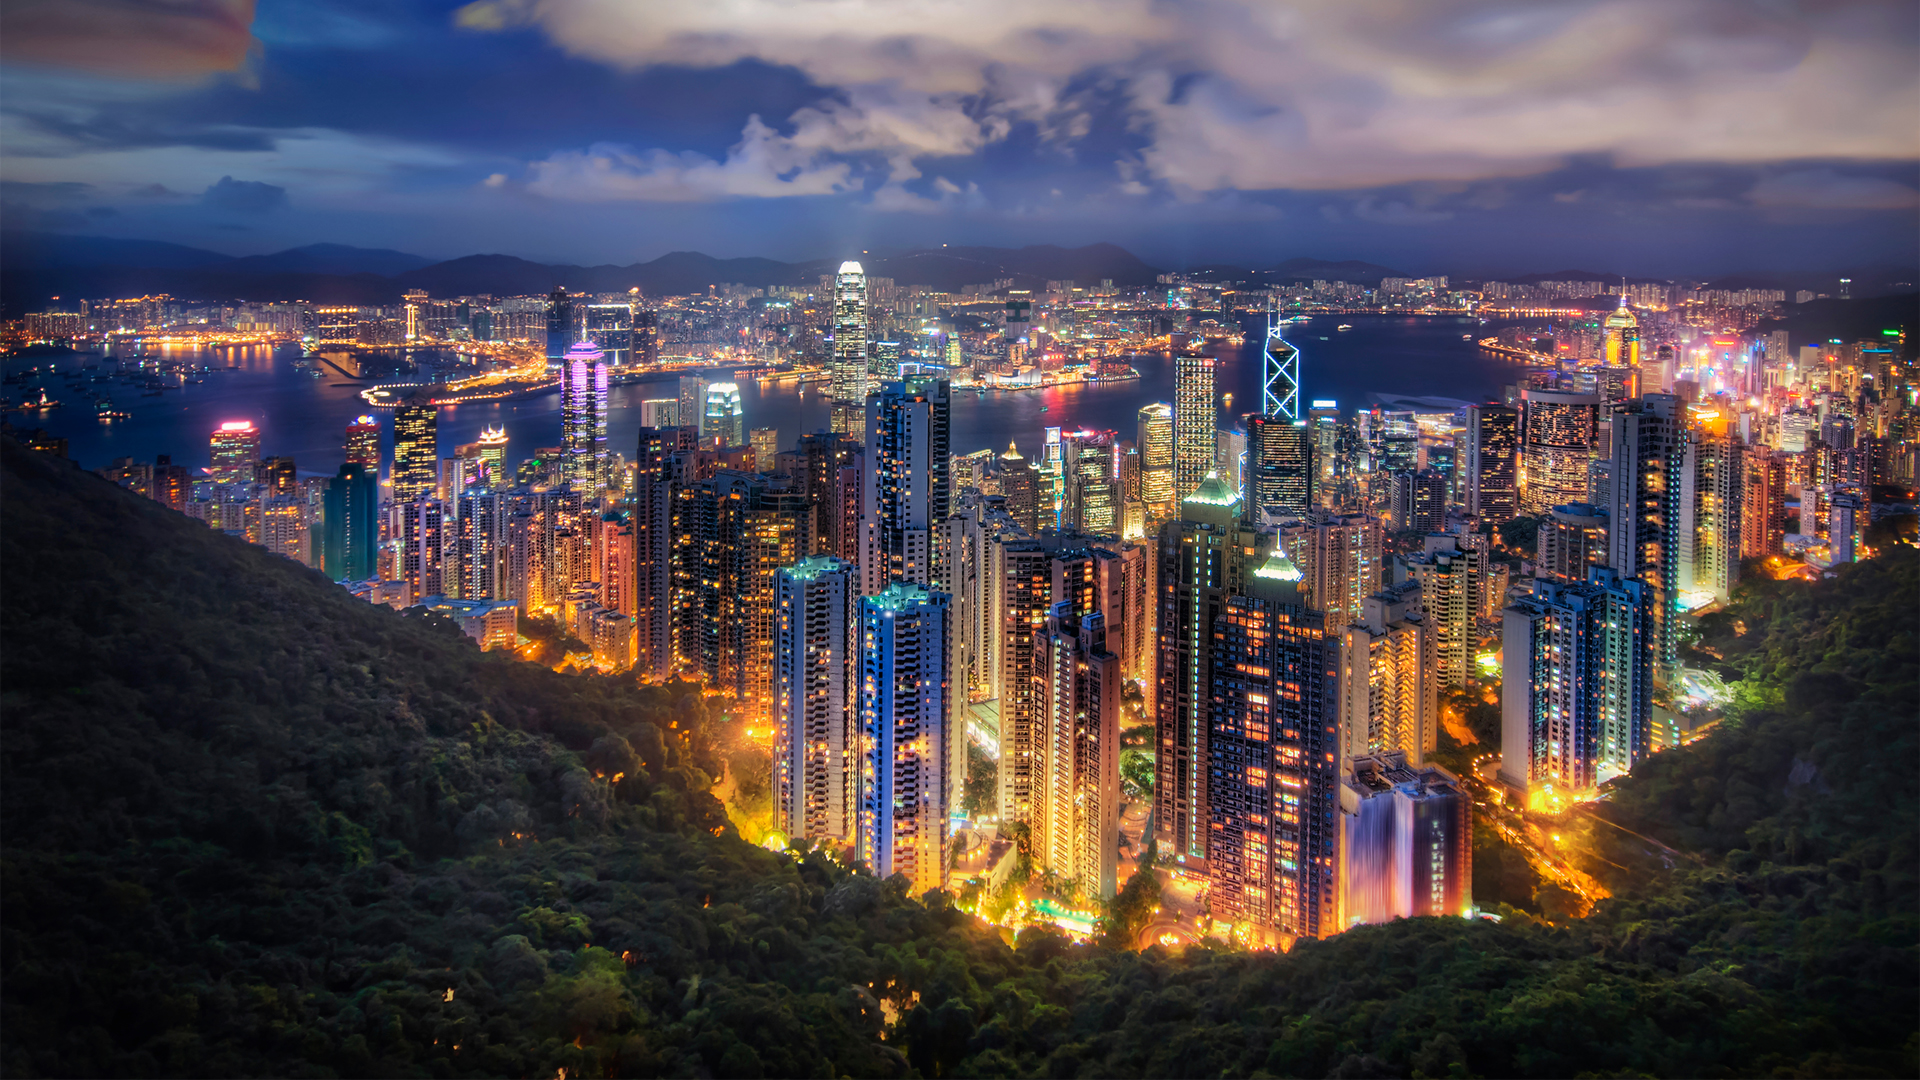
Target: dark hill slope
250,826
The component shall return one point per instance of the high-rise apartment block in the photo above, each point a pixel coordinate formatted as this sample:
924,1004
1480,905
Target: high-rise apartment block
1389,687
1490,462
816,757
1644,520
906,492
1406,841
1075,817
1452,578
1193,422
416,448
903,703
1571,539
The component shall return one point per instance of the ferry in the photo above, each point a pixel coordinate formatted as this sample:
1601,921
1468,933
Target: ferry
1343,326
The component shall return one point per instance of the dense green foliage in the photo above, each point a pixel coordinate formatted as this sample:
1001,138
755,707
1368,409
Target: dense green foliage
254,826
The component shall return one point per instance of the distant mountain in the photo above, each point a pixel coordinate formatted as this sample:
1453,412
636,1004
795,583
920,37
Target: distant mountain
1348,270
20,248
1849,320
950,268
331,259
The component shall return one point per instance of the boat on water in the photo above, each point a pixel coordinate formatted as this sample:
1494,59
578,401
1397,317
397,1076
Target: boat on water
1344,326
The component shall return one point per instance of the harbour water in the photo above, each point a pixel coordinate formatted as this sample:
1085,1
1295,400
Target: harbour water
306,417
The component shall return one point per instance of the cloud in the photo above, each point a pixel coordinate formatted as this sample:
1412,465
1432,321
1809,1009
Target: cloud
1828,189
141,39
1324,94
244,196
762,164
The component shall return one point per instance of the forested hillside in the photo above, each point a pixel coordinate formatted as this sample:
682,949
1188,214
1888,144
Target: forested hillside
254,826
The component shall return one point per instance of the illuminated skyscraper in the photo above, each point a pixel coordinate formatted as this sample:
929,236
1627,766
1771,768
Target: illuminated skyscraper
1075,819
1389,690
1712,483
1571,539
235,450
1193,422
693,401
1204,558
766,447
1155,441
350,524
653,506
491,450
1452,579
559,328
816,745
1490,462
1280,376
1559,430
906,494
1342,557
610,326
1622,337
416,447
583,417
848,389
1279,467
1092,480
363,441
1018,484
903,700
724,419
1644,520
1406,841
423,545
646,334
1273,761
477,545
1576,686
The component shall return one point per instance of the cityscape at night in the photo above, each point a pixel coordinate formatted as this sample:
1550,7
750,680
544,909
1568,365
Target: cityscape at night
574,538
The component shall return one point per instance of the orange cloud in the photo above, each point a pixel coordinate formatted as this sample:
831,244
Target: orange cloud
146,39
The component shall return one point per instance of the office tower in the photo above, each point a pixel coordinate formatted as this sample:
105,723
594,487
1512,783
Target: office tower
646,336
1419,501
1230,459
652,502
737,532
1389,689
1643,522
693,400
614,554
1075,819
660,413
1020,487
1272,802
821,457
903,702
1399,444
1024,596
1323,429
476,546
906,493
609,326
816,747
1092,482
1406,841
766,447
1576,685
1341,555
1559,431
363,441
1204,558
1279,467
1712,483
848,389
1571,539
583,417
416,448
278,474
1280,377
1622,332
1019,313
723,420
1155,440
422,534
1452,578
1843,524
1193,423
350,523
235,450
1049,480
559,328
1491,461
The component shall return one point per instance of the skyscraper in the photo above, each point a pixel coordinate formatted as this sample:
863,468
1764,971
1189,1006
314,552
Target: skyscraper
1280,376
1622,337
1273,762
491,450
848,389
1389,689
350,524
766,447
363,441
1075,817
476,546
583,417
1451,579
234,450
559,328
816,755
416,447
903,701
693,401
1019,485
906,492
1155,440
1643,522
1571,539
1193,423
1419,501
1342,557
1279,467
1576,686
724,420
1763,504
1559,431
610,326
423,544
1406,841
1204,558
1712,484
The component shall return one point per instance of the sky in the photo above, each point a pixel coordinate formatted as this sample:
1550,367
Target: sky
1658,137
